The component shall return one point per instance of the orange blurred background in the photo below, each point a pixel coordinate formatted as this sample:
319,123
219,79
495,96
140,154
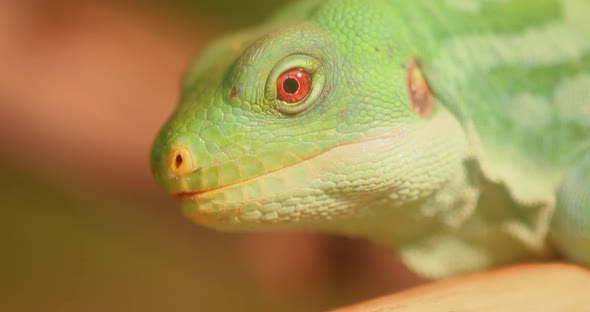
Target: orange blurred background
84,88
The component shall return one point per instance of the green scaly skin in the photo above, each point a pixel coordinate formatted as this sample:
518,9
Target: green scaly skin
497,172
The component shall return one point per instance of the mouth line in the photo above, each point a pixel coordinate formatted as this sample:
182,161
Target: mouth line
184,195
190,194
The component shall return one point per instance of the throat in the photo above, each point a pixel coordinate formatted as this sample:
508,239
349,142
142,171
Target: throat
394,224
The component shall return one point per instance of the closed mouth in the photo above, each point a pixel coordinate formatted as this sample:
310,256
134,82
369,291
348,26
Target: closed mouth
192,194
183,195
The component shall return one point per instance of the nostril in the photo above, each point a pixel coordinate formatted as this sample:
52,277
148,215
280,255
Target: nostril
180,160
177,161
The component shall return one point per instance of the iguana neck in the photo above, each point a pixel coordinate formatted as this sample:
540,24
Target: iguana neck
444,205
445,210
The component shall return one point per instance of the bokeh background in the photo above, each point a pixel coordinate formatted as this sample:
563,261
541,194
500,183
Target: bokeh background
84,87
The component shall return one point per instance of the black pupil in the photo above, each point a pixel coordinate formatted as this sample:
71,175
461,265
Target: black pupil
291,85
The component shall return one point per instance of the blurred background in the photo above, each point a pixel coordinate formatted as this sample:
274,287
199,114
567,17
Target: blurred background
84,87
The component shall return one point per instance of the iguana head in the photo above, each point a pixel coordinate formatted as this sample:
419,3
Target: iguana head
297,122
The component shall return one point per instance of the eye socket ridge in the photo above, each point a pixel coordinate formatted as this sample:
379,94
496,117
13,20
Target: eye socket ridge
295,83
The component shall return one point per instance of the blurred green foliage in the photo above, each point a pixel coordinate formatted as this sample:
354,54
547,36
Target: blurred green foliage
82,248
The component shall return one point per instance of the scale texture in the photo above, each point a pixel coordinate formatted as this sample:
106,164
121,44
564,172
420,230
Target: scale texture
456,132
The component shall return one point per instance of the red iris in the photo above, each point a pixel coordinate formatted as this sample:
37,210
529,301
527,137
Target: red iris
293,85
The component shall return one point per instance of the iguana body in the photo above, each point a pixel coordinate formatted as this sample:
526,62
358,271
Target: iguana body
456,132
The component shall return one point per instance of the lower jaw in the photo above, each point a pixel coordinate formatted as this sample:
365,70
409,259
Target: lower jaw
248,205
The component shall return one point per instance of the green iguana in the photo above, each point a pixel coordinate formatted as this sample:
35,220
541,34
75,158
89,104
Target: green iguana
456,132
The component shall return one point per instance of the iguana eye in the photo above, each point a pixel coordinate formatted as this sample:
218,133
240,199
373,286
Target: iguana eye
293,85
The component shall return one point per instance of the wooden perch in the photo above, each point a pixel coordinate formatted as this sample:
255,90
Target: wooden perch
532,287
